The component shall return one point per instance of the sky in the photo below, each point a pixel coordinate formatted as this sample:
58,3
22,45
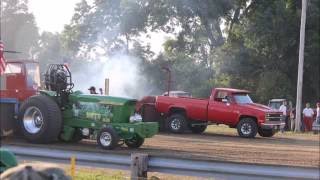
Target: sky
52,15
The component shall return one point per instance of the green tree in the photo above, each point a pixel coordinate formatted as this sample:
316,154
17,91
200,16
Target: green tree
18,28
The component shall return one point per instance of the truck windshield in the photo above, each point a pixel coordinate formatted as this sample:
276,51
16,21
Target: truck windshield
242,98
33,75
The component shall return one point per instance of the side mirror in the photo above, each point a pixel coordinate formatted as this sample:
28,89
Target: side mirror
225,100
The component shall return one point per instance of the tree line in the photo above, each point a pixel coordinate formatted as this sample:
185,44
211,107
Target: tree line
247,44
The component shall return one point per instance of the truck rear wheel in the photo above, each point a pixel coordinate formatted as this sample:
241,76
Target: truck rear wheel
198,129
40,119
247,128
176,123
108,138
266,132
135,142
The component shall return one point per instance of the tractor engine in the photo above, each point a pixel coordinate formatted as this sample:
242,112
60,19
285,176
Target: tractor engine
58,78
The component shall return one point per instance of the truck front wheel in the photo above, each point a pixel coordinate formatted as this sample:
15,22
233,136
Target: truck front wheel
266,132
247,128
108,138
176,123
135,142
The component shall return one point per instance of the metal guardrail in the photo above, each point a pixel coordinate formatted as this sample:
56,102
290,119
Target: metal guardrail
225,170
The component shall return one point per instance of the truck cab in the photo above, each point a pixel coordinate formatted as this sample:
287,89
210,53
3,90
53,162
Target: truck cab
19,80
230,106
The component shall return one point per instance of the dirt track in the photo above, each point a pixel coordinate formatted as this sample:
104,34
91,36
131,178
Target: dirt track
281,149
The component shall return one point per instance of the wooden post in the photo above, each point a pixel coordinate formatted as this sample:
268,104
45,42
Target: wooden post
106,86
139,166
72,166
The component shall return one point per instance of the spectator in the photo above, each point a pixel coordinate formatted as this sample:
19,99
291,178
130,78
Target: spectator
307,117
318,113
283,109
92,90
101,91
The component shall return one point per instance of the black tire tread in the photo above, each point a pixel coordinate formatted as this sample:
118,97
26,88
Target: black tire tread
183,123
137,144
266,132
253,124
115,138
51,111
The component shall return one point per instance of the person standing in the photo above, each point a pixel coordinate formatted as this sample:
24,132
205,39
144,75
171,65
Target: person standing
318,113
101,91
283,109
307,117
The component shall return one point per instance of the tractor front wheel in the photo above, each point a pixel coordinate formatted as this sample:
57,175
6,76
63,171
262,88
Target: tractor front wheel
108,138
40,119
135,142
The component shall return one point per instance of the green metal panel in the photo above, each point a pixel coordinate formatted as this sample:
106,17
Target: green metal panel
7,160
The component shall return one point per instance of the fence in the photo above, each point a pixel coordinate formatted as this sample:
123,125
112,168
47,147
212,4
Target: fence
140,164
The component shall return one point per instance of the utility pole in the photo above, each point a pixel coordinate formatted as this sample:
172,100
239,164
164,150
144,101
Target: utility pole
300,66
168,70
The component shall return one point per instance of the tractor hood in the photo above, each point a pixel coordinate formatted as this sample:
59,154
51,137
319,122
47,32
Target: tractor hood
110,100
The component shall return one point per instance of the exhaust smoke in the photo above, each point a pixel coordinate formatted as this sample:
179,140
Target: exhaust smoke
123,71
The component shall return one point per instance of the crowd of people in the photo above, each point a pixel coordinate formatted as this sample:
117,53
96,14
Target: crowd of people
309,117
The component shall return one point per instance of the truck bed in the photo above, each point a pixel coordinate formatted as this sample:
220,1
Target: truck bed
196,108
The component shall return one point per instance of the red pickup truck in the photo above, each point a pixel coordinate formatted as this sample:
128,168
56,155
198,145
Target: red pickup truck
232,107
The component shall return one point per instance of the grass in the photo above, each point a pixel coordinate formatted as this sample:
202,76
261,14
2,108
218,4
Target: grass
96,174
85,173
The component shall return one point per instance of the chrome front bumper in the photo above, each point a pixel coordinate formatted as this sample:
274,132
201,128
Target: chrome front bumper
273,125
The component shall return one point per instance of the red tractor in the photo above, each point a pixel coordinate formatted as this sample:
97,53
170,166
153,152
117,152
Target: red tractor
19,79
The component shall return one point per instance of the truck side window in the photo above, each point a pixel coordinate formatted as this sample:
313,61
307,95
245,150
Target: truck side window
220,95
13,68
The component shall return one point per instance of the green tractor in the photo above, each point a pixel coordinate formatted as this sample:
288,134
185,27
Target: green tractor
7,160
60,113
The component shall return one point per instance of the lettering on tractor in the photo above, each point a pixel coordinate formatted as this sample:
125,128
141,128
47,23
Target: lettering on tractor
232,107
43,116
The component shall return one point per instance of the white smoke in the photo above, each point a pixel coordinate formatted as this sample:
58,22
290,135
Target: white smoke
123,72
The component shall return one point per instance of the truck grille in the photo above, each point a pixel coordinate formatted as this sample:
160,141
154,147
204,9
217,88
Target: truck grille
273,117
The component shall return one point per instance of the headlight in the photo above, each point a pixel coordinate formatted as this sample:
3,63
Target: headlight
135,118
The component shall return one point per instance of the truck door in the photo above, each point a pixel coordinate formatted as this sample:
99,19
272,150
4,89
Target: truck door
221,108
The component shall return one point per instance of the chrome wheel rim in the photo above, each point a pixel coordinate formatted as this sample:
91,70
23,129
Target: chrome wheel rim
105,139
32,120
246,128
175,124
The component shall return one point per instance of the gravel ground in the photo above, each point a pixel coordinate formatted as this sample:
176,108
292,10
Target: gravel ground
217,143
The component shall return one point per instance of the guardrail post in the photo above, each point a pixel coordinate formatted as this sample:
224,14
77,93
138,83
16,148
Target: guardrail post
139,166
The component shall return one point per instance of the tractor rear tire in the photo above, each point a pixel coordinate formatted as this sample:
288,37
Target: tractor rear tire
177,123
40,119
108,138
198,129
247,128
266,132
135,142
